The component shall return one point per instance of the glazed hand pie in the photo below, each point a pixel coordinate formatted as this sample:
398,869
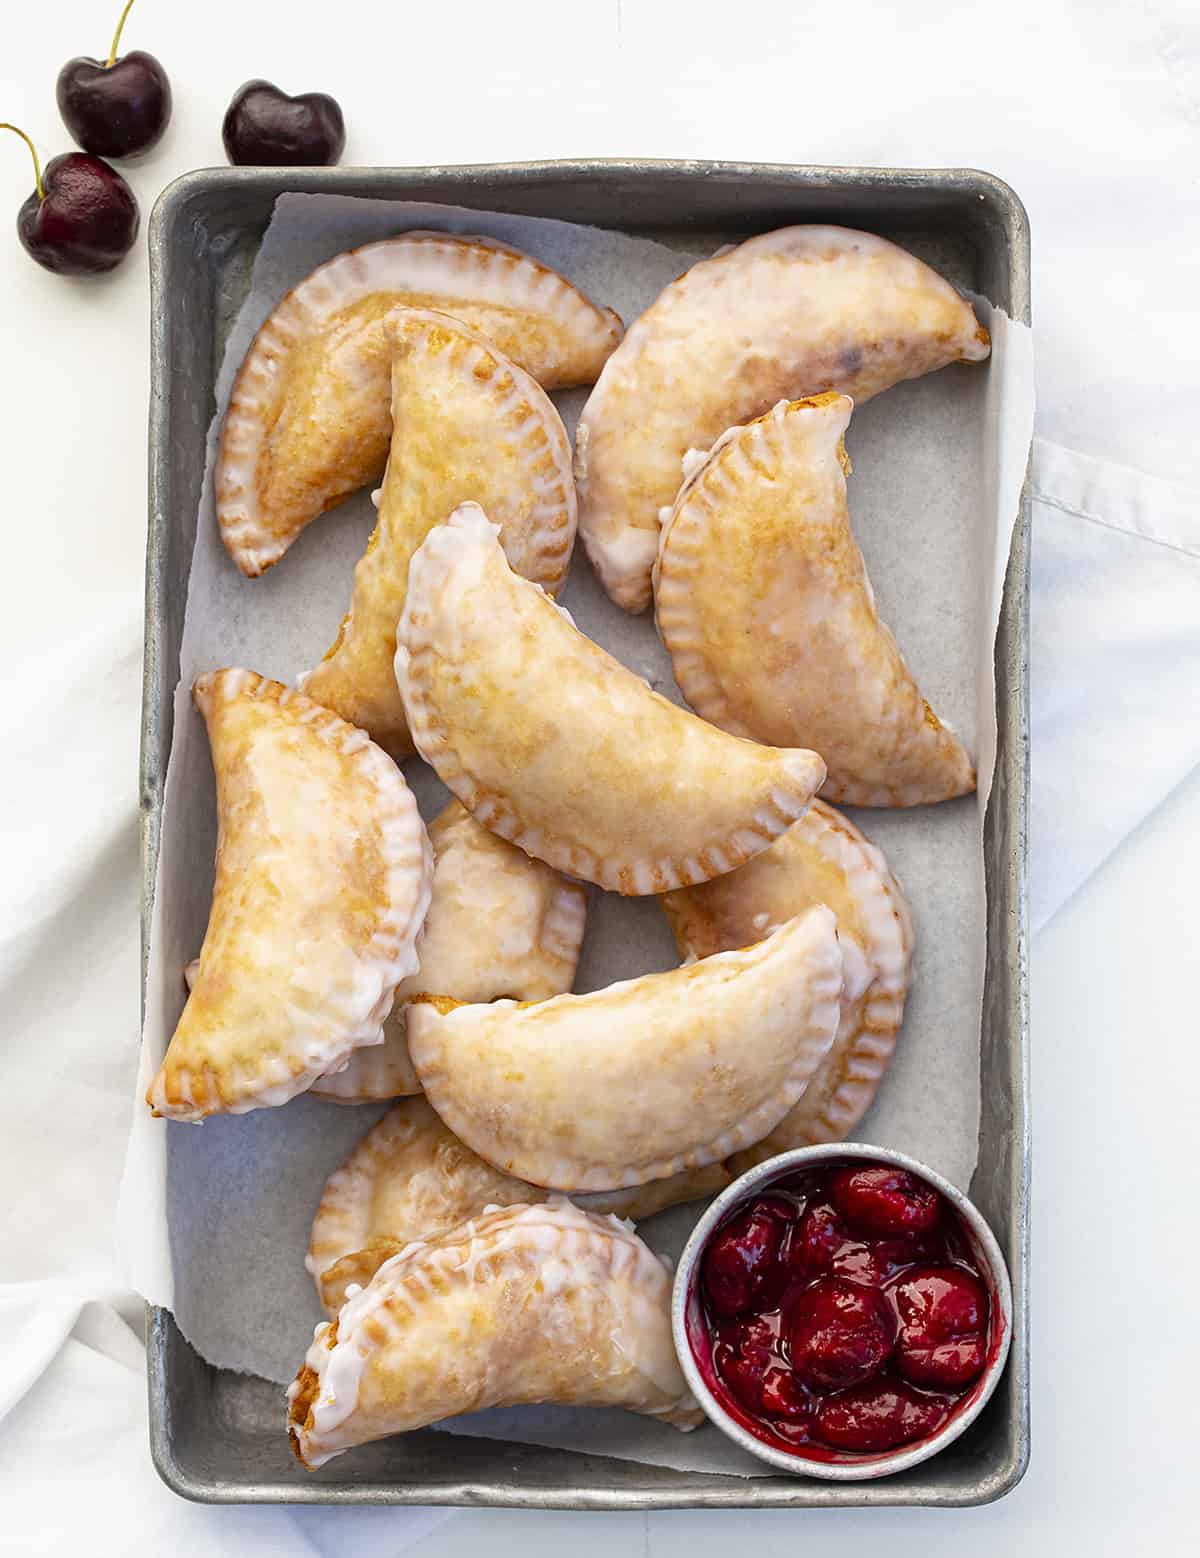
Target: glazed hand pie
787,314
308,419
644,1079
553,744
322,881
823,859
411,1178
521,1305
499,924
764,604
467,423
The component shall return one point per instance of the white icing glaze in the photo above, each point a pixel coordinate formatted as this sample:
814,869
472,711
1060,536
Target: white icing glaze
353,988
734,618
857,973
788,313
823,857
438,268
680,1069
555,1234
655,796
499,923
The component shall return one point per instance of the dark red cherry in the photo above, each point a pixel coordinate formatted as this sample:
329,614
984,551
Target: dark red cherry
782,1395
819,1235
839,1333
822,1245
744,1377
776,1206
265,126
744,1254
878,1416
745,1359
750,1336
943,1327
118,107
885,1201
82,217
860,1262
875,1261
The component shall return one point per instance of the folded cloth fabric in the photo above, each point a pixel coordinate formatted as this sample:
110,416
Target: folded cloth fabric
1115,628
75,1424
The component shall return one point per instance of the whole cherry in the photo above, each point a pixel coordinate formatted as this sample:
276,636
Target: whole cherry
839,1333
265,126
879,1416
745,1361
744,1255
117,107
82,217
751,1336
884,1200
782,1395
943,1326
817,1240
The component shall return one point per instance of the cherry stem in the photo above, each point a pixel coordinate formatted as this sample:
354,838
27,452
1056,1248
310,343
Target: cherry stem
116,43
37,167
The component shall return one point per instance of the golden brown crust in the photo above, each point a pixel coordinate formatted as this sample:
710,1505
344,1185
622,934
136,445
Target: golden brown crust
319,846
467,423
787,313
763,602
300,1408
678,1069
823,859
556,746
308,419
523,1304
410,1178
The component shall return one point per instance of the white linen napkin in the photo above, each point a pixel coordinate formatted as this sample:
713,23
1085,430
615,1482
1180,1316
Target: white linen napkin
1115,620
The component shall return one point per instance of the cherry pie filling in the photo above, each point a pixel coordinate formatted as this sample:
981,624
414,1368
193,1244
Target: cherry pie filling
845,1312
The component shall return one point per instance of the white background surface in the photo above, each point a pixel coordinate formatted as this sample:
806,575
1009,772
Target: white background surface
1092,112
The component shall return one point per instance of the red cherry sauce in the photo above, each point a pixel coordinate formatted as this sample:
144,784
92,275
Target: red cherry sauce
842,1314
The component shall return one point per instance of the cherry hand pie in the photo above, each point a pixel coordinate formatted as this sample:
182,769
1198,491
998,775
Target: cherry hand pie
525,1304
643,1080
823,859
322,882
764,604
411,1178
789,313
308,419
499,924
466,423
553,744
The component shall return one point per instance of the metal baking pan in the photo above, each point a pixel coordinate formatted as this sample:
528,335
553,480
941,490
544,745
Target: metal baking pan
218,1436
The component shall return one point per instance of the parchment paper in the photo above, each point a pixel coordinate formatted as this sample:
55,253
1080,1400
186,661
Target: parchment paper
215,1219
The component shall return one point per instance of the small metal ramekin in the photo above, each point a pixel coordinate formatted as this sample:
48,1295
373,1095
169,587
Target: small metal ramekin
686,1314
